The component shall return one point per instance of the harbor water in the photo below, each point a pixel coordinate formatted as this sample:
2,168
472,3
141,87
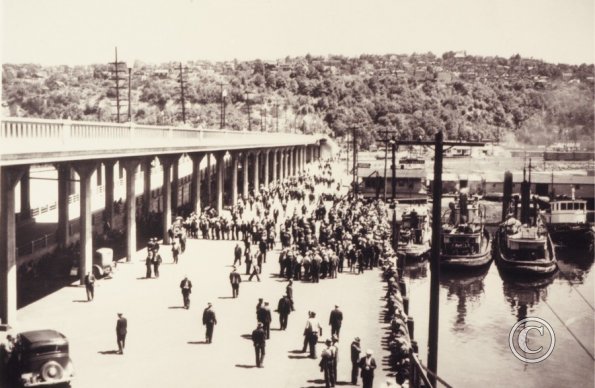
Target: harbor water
478,310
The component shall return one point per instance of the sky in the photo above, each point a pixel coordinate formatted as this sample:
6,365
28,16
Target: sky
73,32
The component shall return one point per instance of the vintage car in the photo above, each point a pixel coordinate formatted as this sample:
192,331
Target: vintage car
40,358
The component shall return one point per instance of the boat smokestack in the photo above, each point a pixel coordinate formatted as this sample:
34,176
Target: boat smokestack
525,202
506,199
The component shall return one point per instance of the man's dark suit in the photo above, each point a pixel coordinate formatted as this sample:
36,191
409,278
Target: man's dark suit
121,331
264,315
209,320
335,320
235,279
367,371
284,308
355,351
259,341
186,287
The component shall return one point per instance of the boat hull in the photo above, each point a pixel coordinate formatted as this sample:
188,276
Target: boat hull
571,235
479,259
524,267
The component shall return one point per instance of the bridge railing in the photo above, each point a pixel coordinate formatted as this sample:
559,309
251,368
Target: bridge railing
14,128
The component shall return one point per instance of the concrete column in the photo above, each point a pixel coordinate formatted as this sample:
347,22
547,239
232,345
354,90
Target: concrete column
245,163
85,171
109,191
281,164
274,166
290,166
195,184
220,167
234,178
266,169
209,181
166,162
25,195
99,175
175,184
9,177
63,213
131,167
256,167
146,165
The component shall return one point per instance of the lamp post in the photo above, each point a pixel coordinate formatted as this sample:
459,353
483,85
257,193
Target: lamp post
249,118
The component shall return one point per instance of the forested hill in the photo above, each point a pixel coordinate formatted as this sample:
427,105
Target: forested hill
466,96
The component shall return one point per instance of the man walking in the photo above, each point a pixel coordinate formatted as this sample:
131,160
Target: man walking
235,279
259,341
367,365
209,320
311,332
327,365
121,331
186,287
284,309
156,263
335,320
263,316
90,286
237,255
355,352
255,272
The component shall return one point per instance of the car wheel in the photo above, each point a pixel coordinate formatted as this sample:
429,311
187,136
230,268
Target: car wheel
51,370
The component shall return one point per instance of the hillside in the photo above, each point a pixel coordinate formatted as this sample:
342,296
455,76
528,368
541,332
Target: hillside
468,97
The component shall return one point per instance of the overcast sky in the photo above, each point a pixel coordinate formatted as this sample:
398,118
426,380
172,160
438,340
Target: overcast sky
86,31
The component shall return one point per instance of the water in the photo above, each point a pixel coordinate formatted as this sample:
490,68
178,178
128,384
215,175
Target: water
478,310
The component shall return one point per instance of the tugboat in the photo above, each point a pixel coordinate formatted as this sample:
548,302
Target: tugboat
465,241
524,249
566,221
415,233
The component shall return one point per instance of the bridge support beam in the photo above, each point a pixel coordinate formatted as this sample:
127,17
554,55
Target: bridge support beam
108,213
245,164
209,181
175,184
166,162
63,231
266,170
255,176
146,166
25,195
85,171
131,167
220,170
9,177
274,165
195,187
234,178
282,164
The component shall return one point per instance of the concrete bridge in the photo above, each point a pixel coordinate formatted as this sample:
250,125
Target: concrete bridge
92,150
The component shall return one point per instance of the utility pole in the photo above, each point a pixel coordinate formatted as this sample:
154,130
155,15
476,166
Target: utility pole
277,117
117,70
263,119
222,95
354,181
438,144
129,94
249,111
394,145
182,97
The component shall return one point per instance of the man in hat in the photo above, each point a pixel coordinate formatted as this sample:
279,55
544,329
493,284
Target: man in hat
335,353
367,364
121,331
235,279
186,287
259,342
90,285
311,332
284,309
335,320
263,315
327,365
209,320
237,254
355,352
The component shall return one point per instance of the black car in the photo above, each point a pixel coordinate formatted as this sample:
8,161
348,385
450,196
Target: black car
40,358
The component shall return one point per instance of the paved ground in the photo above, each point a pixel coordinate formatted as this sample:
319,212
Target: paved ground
165,342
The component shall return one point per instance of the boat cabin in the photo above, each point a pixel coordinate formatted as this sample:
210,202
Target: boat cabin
567,212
